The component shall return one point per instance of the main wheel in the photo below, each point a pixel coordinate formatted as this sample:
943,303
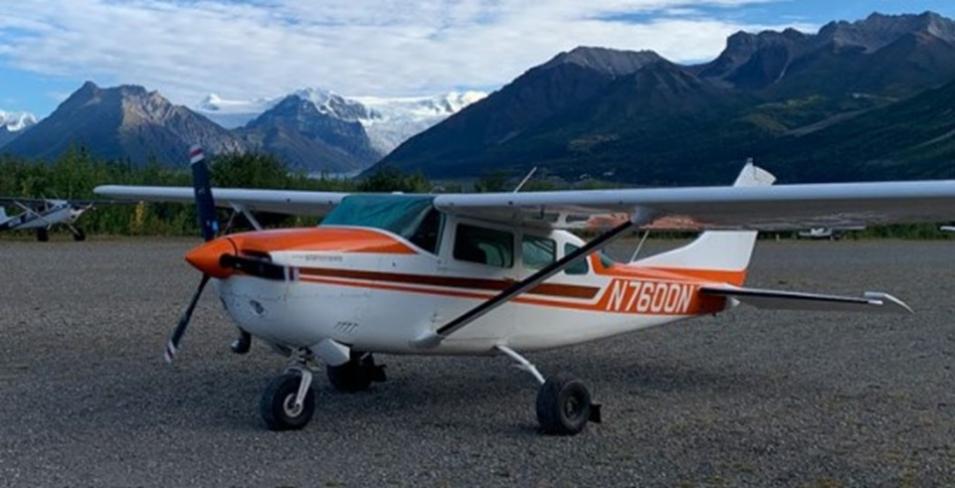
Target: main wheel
79,235
42,235
277,406
355,375
563,405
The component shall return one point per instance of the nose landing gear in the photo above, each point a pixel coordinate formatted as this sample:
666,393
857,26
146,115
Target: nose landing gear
242,344
288,402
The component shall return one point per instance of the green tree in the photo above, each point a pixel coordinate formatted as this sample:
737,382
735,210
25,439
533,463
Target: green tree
390,179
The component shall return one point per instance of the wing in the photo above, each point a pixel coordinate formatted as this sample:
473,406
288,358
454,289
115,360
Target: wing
780,207
792,300
276,201
15,200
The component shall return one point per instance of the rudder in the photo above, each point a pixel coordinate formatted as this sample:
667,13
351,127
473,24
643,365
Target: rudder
717,250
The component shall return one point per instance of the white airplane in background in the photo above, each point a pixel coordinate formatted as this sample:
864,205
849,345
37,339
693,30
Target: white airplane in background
833,234
500,273
948,228
42,215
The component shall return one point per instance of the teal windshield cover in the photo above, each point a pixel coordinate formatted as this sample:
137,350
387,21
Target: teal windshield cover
400,214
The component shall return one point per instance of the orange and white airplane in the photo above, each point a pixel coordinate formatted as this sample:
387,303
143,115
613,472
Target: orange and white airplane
501,273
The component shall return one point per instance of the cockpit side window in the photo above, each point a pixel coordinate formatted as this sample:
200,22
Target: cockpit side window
484,246
428,233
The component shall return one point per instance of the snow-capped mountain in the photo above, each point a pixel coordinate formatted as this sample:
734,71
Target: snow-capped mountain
16,121
388,121
392,121
12,124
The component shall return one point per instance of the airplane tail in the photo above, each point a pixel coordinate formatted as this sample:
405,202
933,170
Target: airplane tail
717,250
3,214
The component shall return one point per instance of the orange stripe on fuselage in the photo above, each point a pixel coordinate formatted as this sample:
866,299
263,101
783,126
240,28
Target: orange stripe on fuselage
626,296
552,289
337,239
620,270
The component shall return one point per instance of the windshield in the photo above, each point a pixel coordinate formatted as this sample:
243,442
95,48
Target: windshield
400,214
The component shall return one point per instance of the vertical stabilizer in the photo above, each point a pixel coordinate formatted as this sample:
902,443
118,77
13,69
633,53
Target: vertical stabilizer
717,250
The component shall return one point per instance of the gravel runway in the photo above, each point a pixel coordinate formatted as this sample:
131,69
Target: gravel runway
747,398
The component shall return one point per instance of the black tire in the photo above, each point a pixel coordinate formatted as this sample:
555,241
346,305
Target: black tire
42,235
563,405
79,235
276,406
354,376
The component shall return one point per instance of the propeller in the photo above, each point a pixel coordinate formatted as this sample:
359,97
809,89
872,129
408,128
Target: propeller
173,345
209,224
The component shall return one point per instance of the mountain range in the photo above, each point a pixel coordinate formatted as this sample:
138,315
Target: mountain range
126,122
311,130
388,121
857,100
871,99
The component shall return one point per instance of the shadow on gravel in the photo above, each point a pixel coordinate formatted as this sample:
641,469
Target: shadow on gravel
664,377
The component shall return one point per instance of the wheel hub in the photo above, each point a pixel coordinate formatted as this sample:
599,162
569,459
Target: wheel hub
290,407
572,407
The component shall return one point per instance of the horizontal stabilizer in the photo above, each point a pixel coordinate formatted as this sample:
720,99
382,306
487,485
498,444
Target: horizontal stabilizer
791,300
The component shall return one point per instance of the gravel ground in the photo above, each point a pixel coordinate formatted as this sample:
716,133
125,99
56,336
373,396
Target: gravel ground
747,398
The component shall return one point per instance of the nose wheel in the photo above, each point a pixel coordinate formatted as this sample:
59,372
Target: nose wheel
288,402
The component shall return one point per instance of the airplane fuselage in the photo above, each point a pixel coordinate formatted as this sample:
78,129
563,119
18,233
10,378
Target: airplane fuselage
58,214
376,291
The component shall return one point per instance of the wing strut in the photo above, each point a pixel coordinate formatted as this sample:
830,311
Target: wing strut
432,339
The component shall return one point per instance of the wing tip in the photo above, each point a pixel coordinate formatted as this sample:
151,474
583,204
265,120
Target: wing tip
891,303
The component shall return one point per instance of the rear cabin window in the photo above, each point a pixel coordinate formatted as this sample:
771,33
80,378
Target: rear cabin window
538,252
580,267
484,246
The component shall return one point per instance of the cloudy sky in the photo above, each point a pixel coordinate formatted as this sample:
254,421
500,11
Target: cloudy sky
245,49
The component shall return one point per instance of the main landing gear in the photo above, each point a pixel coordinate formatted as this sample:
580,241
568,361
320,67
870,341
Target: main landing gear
78,234
288,402
357,374
564,405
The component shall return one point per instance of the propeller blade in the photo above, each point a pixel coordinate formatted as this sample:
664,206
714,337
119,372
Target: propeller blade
205,205
173,345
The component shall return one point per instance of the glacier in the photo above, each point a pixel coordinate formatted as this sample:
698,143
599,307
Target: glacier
388,121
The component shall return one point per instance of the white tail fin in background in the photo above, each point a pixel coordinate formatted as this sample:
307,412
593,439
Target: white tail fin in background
717,250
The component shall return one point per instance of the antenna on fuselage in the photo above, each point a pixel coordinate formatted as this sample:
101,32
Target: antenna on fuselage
643,240
526,179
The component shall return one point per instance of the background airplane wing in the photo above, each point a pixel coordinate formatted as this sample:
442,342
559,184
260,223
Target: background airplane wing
768,208
288,202
76,202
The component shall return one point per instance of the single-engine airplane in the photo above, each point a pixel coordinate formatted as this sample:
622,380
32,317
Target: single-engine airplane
500,273
832,234
42,215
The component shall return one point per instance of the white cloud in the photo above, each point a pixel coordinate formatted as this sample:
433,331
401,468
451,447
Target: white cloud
263,48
